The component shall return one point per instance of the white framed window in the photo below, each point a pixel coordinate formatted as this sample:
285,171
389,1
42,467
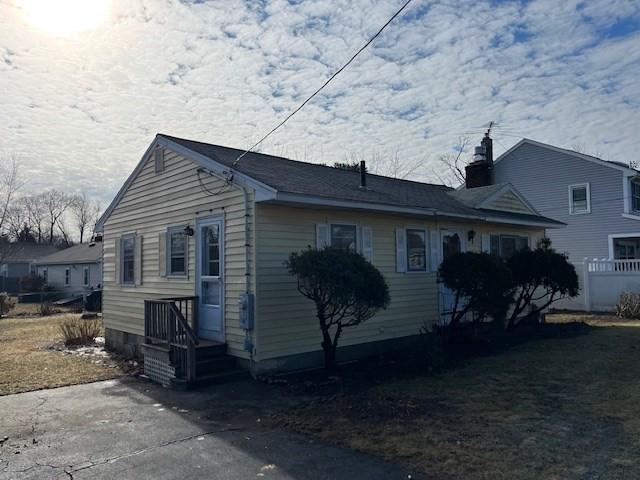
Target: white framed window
67,276
416,250
158,160
348,236
85,276
635,196
45,275
506,245
344,236
579,198
127,259
176,252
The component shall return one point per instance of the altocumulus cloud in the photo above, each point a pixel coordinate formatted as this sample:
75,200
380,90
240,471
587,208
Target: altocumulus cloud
80,110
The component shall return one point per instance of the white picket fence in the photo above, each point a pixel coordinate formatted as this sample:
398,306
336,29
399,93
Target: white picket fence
601,283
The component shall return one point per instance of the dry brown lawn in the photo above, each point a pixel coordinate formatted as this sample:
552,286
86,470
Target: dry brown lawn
555,408
26,362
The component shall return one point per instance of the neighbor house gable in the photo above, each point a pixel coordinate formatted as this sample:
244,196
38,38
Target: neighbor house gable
589,158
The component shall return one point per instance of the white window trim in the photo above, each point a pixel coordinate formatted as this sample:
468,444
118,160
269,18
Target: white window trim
427,250
86,275
67,277
170,274
576,186
513,235
629,202
123,237
618,235
350,224
45,275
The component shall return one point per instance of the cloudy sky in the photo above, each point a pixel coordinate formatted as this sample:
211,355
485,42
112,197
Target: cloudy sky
82,93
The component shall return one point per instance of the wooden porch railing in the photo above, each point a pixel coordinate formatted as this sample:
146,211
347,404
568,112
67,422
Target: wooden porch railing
174,323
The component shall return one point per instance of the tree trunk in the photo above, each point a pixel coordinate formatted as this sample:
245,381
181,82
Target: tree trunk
329,349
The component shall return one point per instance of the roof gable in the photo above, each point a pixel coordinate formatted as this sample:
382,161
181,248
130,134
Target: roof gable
501,197
589,158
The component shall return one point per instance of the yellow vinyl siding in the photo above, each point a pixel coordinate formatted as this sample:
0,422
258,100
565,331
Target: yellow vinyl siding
286,321
154,202
509,202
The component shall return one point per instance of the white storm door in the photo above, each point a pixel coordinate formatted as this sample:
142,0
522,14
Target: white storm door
210,278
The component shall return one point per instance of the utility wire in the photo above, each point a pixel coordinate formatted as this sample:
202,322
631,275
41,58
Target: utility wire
336,73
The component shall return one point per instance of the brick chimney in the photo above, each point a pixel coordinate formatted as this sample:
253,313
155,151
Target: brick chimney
479,173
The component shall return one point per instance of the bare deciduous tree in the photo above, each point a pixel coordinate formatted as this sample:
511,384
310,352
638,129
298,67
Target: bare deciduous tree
388,165
85,213
454,164
55,205
10,184
36,215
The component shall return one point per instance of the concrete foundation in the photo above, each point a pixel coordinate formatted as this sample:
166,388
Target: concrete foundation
124,343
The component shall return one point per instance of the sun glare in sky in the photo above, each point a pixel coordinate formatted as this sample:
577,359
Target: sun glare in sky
64,17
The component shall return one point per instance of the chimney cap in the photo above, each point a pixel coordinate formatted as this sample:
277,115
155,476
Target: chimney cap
479,154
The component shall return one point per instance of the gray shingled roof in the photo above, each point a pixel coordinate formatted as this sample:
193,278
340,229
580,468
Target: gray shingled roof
82,253
292,176
304,178
25,252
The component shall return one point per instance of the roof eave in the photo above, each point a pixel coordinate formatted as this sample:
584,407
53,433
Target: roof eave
308,200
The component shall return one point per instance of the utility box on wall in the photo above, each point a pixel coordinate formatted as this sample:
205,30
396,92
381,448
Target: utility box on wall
246,304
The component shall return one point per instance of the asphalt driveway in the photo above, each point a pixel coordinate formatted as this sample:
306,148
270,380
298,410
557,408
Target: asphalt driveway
134,429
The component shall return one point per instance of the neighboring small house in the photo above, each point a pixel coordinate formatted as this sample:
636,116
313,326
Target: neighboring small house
77,268
195,246
598,200
18,260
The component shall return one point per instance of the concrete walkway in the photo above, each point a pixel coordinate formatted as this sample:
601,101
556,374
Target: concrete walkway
133,429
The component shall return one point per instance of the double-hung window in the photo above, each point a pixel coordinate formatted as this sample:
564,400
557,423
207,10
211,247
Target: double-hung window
579,198
85,276
45,275
127,247
416,250
506,245
635,196
344,236
176,251
67,277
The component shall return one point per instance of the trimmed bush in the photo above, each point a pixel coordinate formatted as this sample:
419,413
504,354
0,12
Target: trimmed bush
345,288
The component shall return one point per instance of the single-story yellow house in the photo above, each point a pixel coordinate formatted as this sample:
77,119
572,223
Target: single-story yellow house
195,246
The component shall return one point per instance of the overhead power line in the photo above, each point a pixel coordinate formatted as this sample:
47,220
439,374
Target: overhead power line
335,74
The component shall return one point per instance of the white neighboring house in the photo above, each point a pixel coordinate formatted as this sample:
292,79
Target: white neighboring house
77,268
